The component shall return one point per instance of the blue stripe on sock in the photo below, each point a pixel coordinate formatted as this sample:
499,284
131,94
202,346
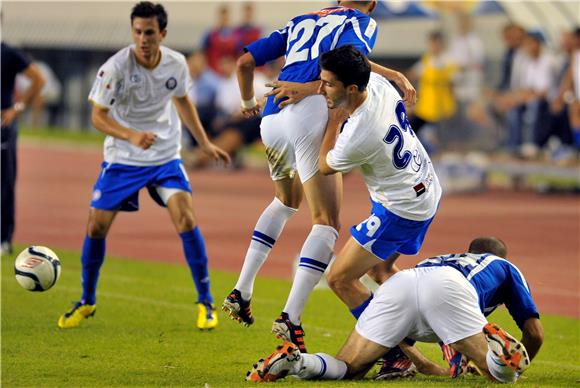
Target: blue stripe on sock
262,242
323,367
264,237
313,262
311,267
357,311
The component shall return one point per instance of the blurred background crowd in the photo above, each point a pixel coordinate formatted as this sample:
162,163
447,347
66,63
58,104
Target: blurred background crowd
496,79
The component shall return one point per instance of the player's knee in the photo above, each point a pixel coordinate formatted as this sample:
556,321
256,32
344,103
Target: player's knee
337,282
96,229
185,222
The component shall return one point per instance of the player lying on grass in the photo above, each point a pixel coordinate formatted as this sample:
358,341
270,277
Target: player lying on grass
497,282
435,301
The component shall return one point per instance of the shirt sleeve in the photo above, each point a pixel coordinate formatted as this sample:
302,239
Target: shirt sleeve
107,87
361,32
269,48
346,154
519,300
184,81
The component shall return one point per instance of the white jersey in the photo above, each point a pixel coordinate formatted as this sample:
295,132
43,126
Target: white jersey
396,168
140,99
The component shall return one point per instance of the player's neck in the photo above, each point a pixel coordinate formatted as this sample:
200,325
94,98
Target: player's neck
356,101
149,62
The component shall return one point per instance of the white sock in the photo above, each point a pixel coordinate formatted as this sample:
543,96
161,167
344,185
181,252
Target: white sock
320,366
314,258
499,370
267,230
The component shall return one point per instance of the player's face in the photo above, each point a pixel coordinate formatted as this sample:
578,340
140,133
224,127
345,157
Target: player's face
332,89
147,38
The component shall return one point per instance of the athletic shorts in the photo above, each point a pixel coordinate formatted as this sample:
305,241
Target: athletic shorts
385,233
426,304
118,185
293,137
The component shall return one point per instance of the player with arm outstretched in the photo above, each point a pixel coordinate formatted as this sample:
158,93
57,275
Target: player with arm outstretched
138,97
497,282
292,134
432,302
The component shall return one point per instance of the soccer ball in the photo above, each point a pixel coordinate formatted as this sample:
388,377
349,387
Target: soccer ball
37,268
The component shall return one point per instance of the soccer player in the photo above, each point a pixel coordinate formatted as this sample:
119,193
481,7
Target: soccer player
138,97
292,134
13,63
442,299
497,282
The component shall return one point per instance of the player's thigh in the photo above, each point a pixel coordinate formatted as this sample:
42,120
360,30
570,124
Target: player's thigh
324,196
352,262
360,354
277,138
289,191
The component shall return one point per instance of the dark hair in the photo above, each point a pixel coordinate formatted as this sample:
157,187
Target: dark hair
349,66
146,9
437,35
491,245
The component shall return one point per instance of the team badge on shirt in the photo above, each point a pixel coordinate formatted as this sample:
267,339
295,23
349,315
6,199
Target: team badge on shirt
171,83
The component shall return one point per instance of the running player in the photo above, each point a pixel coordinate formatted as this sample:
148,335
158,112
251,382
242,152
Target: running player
136,97
292,136
443,298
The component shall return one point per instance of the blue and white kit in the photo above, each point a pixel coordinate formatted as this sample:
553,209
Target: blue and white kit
293,135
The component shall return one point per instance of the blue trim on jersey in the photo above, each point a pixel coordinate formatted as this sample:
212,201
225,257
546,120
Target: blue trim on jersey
496,281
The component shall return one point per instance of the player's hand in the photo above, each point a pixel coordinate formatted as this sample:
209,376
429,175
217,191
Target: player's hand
143,140
8,116
294,92
409,92
216,153
252,112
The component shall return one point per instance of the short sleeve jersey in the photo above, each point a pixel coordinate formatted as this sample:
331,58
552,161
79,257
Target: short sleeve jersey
13,62
378,138
140,99
306,37
496,280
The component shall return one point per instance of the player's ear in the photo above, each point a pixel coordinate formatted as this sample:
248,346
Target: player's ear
164,33
372,7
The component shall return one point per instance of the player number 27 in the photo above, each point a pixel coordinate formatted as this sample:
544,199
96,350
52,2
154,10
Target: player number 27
298,52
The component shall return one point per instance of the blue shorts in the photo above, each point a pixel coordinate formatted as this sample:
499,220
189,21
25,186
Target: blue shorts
385,233
118,185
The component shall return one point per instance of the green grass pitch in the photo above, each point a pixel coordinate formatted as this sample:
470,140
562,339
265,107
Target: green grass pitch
144,333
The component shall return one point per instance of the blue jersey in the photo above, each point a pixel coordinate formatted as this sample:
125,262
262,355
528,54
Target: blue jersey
496,280
306,37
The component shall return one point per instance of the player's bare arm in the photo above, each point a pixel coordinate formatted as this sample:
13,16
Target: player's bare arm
423,364
189,116
335,119
533,336
33,73
109,126
409,92
292,92
245,67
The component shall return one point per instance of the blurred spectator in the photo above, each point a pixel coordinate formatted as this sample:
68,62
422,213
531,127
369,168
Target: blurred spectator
204,87
513,37
570,89
13,62
434,73
233,130
559,124
527,122
221,41
47,102
466,50
247,32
